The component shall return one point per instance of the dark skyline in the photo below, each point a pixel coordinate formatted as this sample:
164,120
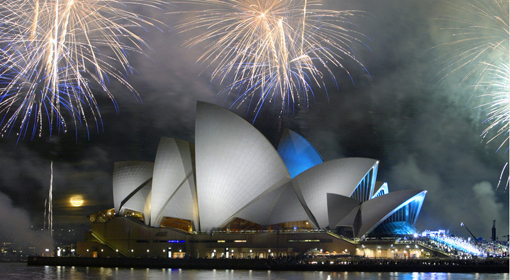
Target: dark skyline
426,134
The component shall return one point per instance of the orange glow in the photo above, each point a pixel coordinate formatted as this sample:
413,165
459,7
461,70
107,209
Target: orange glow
76,200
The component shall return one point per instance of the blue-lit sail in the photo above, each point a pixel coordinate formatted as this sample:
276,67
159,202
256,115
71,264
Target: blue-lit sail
365,188
297,153
382,189
403,219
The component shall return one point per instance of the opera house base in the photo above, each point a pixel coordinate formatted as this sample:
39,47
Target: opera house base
365,265
131,238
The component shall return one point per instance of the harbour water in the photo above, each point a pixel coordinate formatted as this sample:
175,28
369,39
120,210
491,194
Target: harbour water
21,271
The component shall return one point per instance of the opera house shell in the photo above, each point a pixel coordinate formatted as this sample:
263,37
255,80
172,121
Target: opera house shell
232,178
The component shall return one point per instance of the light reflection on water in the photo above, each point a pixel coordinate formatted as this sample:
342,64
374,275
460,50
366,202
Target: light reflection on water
20,271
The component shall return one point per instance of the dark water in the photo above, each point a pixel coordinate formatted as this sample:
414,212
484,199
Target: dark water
22,271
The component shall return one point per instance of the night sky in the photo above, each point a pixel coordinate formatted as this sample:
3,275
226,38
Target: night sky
425,132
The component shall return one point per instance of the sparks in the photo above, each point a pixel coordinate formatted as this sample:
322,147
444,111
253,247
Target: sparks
271,51
52,53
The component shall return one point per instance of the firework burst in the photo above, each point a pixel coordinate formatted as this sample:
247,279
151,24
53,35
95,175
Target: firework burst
479,48
53,53
269,50
478,35
496,85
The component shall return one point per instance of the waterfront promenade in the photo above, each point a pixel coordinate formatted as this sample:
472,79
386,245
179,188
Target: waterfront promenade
496,265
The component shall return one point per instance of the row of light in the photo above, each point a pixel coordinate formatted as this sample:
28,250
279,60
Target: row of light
379,247
251,251
132,250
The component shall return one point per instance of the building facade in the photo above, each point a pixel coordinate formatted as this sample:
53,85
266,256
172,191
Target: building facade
231,193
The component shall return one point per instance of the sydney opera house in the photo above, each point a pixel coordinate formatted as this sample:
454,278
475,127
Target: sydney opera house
233,194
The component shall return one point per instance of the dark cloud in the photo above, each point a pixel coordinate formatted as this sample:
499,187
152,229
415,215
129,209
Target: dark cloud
424,131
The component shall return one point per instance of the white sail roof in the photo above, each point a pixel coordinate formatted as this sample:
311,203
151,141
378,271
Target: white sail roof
235,163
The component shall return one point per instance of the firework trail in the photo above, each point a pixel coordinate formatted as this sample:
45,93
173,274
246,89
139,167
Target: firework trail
496,85
478,34
269,50
479,50
53,53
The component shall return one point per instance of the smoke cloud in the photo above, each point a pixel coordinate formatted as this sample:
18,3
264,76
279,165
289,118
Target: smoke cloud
17,228
489,206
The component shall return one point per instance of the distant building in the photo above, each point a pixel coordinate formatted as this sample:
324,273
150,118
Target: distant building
233,194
